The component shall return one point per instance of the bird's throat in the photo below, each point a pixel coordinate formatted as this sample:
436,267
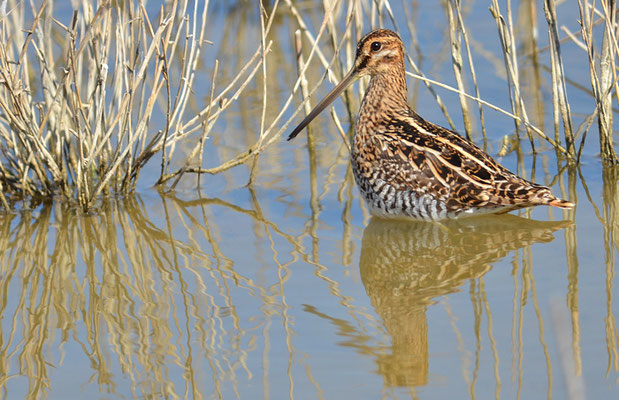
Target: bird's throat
385,96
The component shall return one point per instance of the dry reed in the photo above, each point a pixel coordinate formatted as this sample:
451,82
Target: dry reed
602,68
78,101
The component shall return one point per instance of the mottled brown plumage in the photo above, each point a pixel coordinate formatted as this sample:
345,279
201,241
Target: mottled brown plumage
407,167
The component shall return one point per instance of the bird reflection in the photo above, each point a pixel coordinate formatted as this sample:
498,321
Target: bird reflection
405,266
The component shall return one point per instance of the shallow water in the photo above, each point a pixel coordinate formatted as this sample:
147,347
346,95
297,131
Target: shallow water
241,297
285,288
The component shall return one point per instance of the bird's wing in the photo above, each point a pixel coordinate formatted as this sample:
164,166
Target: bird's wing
425,158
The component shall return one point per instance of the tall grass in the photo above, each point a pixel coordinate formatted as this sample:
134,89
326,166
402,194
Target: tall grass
78,98
602,66
88,102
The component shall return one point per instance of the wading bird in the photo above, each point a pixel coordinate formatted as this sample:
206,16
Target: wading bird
407,167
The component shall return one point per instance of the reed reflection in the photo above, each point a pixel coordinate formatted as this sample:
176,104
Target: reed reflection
146,296
610,222
405,266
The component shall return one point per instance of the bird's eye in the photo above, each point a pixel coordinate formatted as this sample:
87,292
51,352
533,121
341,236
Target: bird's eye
375,46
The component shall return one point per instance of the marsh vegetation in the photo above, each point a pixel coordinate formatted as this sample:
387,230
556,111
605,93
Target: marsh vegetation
89,99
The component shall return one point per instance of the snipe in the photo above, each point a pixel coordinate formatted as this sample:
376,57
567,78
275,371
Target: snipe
407,167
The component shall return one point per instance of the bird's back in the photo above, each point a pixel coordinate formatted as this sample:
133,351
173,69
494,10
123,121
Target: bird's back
408,167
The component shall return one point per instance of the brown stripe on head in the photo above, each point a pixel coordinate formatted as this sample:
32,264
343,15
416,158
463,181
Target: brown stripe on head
379,33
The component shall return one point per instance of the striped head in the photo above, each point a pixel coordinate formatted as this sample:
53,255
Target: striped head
379,52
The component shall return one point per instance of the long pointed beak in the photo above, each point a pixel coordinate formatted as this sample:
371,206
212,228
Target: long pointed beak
337,90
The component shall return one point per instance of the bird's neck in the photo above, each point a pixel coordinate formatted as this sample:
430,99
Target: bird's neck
386,96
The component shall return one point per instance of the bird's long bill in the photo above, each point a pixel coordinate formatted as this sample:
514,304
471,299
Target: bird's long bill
337,90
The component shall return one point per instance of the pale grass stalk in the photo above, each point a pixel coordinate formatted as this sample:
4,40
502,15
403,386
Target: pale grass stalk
606,18
5,203
348,43
164,71
136,99
608,80
243,156
584,128
356,14
220,101
314,40
143,122
195,52
76,104
418,71
412,19
455,37
340,130
331,17
265,94
347,35
572,36
611,21
99,111
505,31
600,82
559,91
465,37
298,44
199,150
205,130
348,47
264,30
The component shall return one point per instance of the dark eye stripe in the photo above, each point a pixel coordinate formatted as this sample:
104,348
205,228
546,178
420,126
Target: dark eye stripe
363,64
